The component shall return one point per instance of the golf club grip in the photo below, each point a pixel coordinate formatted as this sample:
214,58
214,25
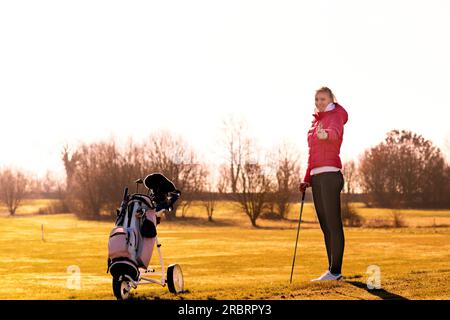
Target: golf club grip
125,194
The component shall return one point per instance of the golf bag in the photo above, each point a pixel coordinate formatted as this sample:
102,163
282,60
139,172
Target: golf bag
132,240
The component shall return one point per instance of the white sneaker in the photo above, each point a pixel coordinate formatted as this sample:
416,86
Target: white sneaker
328,276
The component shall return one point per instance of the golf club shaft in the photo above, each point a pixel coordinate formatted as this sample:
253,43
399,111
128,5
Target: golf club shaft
298,231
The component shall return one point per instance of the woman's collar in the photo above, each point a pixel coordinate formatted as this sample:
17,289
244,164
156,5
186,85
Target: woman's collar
329,107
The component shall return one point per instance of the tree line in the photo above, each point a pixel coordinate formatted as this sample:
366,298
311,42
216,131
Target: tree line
404,170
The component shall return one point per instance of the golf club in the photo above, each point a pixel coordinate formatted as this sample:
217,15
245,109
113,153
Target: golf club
298,231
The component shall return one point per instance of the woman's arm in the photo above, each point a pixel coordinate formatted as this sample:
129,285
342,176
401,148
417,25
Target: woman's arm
307,177
311,139
335,128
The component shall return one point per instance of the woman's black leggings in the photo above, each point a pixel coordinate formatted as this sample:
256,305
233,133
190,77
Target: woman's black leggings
326,189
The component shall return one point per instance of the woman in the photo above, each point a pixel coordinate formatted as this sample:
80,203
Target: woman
324,176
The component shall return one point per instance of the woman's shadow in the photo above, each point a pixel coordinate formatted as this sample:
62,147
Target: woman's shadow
381,293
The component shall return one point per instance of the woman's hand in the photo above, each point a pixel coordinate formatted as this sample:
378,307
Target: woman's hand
321,133
303,186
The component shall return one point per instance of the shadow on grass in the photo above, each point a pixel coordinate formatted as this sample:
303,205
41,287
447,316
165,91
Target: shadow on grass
201,222
155,296
293,224
303,221
258,227
178,221
381,293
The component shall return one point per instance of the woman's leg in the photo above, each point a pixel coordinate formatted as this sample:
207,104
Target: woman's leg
316,186
331,184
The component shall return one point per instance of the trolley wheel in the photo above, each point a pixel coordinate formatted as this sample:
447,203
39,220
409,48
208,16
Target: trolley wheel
121,288
175,280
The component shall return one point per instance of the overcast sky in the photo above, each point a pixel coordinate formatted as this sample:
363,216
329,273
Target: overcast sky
73,71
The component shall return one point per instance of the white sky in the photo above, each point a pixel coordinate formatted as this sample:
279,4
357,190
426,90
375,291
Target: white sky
74,71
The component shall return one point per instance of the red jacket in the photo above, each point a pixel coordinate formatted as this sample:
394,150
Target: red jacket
326,152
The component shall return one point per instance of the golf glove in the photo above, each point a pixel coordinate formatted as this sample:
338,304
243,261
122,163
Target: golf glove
304,186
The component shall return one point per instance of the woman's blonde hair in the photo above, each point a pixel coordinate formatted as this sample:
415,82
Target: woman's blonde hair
328,91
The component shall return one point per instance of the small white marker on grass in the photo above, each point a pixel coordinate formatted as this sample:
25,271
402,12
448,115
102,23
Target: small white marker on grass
374,278
74,277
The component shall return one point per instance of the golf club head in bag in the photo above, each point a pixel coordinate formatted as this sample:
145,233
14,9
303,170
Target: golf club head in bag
162,190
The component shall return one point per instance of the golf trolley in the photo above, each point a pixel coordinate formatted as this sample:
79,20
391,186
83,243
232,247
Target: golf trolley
134,236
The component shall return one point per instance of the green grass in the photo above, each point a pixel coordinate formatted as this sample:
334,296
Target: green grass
228,259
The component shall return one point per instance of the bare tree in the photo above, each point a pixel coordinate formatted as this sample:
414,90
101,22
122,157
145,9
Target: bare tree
254,184
350,173
374,168
134,162
405,170
247,177
93,178
211,199
70,160
34,185
13,188
194,180
223,181
350,216
286,165
172,156
49,183
97,173
234,135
